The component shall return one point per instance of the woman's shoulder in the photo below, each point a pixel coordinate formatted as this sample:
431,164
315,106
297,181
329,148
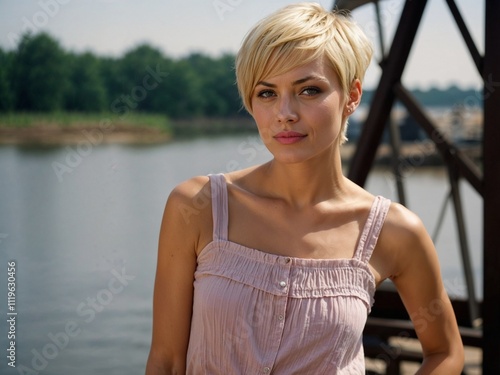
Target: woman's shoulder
399,223
196,191
403,224
190,188
190,199
402,240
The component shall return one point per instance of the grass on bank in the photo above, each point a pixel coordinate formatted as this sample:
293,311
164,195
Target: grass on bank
27,120
181,128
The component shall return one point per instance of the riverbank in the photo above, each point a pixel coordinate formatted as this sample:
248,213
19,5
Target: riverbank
55,129
68,128
55,136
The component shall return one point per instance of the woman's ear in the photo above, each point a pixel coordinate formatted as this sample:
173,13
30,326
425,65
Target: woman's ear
354,97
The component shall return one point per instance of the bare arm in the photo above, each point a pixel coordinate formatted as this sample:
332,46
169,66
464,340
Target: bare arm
418,280
173,291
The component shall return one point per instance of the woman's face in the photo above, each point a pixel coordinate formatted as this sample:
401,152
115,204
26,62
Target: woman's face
299,113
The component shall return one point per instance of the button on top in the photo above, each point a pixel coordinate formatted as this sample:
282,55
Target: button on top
282,284
266,370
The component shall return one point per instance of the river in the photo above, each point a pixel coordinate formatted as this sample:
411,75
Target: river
81,225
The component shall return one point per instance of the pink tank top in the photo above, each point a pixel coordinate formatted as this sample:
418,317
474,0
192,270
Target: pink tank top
259,313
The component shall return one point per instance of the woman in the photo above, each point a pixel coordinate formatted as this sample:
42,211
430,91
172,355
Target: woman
272,269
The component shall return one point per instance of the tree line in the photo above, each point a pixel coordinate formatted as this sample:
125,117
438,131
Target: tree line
40,76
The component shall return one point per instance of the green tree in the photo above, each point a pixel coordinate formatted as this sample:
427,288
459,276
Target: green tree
182,94
138,85
217,81
86,91
39,74
227,88
6,95
149,81
110,75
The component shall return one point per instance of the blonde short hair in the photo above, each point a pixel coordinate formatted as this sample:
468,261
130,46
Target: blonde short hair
296,35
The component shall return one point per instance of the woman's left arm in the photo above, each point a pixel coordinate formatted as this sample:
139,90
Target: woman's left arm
417,278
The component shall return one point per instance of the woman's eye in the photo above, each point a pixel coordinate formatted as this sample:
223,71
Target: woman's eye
310,91
265,94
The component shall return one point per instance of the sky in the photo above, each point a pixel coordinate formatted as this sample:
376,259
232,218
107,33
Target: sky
178,27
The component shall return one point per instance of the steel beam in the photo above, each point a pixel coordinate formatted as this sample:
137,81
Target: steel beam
383,99
474,52
491,215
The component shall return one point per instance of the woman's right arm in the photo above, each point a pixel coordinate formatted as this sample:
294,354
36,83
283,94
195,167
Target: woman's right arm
173,290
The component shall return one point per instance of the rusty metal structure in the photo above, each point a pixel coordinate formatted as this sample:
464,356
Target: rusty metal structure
483,317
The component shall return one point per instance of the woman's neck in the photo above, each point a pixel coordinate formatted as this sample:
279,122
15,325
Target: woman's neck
306,183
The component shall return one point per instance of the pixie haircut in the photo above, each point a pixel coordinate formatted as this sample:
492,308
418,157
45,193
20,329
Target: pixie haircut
296,35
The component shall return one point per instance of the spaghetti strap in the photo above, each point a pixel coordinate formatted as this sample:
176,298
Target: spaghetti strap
372,228
219,206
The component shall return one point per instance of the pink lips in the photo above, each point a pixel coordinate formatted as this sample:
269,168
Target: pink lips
289,137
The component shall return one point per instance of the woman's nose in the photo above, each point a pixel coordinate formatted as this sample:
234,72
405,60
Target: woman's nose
286,110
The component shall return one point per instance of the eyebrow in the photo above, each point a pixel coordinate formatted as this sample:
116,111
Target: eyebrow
294,83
